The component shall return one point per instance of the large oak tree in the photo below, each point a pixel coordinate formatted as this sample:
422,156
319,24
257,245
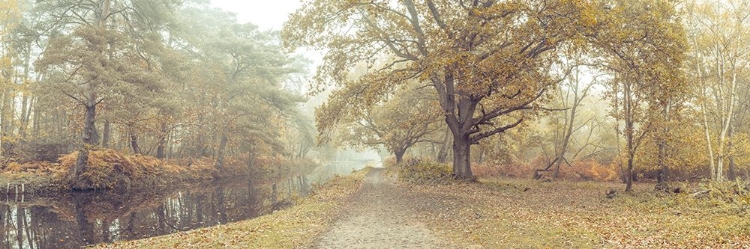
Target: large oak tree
488,61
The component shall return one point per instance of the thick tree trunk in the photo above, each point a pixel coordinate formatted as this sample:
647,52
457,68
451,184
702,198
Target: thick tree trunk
399,156
81,161
90,136
462,158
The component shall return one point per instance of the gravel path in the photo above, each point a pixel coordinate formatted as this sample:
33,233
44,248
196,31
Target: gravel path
378,216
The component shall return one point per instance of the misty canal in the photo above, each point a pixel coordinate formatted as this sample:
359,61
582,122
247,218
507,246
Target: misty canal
79,219
74,220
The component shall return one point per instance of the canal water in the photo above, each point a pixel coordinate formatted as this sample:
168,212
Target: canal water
79,219
75,220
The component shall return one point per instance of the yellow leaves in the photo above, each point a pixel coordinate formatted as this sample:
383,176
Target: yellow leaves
9,16
423,172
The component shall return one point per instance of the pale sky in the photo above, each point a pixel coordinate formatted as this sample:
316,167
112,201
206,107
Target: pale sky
267,14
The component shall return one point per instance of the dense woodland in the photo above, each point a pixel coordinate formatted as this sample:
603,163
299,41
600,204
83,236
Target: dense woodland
170,79
597,89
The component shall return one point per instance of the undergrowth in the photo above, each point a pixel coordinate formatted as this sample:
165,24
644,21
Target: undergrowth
109,169
425,172
734,194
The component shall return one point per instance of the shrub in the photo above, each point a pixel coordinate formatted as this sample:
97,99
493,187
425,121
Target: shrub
424,172
13,166
592,170
487,170
733,192
45,149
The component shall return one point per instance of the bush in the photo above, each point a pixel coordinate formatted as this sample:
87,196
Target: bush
592,170
45,149
484,170
733,192
424,172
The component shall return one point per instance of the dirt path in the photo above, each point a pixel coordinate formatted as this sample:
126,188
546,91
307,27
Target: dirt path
379,216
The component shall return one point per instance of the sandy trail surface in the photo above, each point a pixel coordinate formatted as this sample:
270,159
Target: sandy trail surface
378,216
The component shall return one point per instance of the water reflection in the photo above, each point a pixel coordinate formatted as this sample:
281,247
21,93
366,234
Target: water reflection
80,219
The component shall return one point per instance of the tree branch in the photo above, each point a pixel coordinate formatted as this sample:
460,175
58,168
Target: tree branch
475,139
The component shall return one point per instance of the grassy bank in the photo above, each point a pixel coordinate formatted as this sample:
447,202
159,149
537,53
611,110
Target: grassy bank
297,226
525,213
517,213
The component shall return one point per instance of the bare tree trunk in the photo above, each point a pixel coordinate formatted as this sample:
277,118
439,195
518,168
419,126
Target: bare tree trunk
81,162
566,137
220,153
630,171
709,143
629,134
732,174
134,144
6,124
27,101
399,156
462,158
661,176
22,120
90,135
461,124
89,139
160,148
726,123
35,122
106,134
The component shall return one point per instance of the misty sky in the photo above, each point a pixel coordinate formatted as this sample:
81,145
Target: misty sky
266,14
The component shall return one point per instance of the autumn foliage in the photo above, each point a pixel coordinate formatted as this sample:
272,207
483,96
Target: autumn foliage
580,170
424,172
109,169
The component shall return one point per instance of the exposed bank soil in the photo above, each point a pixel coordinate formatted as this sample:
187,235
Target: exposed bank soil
380,215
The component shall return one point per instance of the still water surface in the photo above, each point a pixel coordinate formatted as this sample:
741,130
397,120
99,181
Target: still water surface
80,219
75,220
